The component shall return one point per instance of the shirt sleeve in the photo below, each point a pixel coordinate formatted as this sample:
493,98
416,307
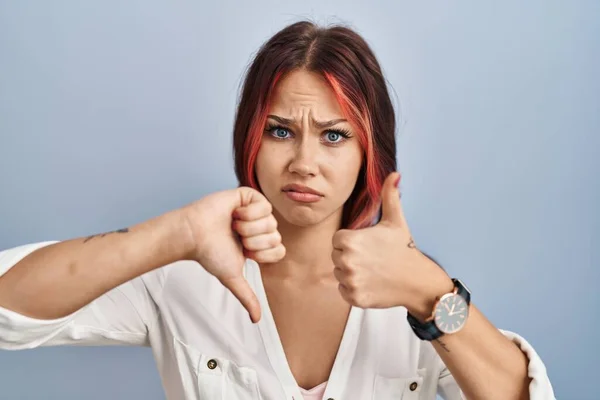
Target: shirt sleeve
121,316
540,387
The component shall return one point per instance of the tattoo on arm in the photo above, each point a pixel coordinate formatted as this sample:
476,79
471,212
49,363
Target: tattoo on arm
443,345
411,244
123,230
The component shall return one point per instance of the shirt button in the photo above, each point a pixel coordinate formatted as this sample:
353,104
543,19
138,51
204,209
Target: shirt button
211,364
413,386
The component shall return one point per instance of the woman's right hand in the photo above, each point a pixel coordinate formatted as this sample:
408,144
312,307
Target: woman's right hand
227,226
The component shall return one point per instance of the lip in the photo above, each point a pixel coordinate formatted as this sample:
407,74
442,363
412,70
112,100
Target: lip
301,193
295,187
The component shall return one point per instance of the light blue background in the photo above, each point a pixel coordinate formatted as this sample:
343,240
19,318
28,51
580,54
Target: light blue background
113,112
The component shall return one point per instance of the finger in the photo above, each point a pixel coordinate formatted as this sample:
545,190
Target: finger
391,208
247,195
342,239
253,211
348,278
345,294
257,227
340,275
336,257
272,255
262,242
244,293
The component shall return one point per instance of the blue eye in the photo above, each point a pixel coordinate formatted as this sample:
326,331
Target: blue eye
334,137
280,132
337,136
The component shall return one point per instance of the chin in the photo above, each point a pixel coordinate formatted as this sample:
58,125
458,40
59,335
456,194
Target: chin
303,216
300,215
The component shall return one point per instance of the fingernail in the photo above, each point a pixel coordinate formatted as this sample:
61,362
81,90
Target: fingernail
398,180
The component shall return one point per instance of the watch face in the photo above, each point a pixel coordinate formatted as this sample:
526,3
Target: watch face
451,313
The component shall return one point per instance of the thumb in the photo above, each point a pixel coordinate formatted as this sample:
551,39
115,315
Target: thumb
247,195
391,209
241,289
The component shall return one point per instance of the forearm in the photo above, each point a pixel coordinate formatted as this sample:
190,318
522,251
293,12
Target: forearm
59,279
484,363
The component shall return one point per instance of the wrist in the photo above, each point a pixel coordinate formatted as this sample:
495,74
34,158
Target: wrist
184,233
180,236
434,285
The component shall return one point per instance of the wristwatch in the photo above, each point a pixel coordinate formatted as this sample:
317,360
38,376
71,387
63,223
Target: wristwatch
449,315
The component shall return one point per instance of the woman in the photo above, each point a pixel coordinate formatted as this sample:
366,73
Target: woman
313,245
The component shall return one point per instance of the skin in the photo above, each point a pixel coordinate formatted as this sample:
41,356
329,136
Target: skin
327,269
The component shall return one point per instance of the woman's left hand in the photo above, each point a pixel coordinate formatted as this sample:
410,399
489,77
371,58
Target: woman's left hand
380,266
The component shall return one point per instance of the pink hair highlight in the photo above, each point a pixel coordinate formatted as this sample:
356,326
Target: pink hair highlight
359,117
254,138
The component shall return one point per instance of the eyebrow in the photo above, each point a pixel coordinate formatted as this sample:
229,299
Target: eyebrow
318,124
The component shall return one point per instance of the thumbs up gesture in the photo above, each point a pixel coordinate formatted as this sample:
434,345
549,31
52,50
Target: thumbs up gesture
380,266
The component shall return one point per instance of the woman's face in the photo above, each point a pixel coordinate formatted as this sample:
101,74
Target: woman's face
310,157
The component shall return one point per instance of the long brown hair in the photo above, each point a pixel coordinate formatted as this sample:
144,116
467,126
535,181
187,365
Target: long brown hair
346,61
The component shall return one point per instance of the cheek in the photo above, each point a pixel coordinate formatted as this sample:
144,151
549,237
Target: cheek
344,171
267,164
260,168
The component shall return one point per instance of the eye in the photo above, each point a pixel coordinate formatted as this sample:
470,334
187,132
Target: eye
279,132
333,137
336,136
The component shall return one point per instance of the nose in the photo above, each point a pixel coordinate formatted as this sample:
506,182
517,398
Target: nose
304,162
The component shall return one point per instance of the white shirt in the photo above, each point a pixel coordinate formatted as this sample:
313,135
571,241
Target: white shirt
206,347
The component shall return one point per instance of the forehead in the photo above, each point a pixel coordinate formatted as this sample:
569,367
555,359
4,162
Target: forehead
304,90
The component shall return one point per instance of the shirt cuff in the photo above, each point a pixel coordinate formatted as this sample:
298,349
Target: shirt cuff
540,387
18,331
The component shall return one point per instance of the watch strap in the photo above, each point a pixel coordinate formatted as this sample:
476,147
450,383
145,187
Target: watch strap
428,330
424,330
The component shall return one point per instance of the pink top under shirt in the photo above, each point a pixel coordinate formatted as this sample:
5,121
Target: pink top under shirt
315,393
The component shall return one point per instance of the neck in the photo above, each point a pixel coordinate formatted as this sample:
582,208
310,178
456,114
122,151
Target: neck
308,250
